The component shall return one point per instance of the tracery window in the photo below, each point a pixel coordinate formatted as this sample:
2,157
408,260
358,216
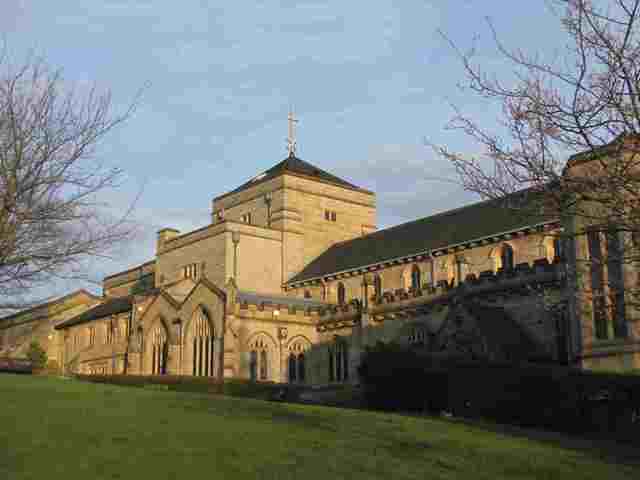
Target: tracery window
296,363
203,345
159,351
259,368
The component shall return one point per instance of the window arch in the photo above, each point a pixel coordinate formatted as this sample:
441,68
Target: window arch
377,286
342,295
159,350
506,256
202,345
259,358
296,362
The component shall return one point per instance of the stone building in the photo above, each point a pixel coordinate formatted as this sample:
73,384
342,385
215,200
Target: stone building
291,280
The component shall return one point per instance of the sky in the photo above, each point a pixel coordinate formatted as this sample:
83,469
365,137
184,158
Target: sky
371,83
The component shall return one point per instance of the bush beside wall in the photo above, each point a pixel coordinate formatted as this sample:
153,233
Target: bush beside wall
531,395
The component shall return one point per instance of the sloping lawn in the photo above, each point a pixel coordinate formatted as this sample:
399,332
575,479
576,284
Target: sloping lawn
64,429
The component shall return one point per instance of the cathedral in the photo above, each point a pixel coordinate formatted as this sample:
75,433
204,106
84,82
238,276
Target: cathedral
291,280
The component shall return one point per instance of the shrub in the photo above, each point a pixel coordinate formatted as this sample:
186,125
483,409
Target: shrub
532,395
37,355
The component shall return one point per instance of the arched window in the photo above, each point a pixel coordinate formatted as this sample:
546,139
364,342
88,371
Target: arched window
259,358
377,286
339,361
415,277
296,360
341,294
203,361
307,294
159,348
507,257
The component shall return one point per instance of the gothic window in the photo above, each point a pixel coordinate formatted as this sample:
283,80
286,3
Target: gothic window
415,277
507,257
338,361
259,368
377,286
246,218
615,276
330,215
190,271
159,349
341,294
296,366
203,361
597,284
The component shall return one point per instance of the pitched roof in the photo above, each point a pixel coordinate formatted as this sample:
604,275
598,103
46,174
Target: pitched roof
111,306
43,307
294,165
469,223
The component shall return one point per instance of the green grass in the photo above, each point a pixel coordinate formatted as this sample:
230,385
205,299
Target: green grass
52,428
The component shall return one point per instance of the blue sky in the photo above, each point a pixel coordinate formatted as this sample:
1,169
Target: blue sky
369,81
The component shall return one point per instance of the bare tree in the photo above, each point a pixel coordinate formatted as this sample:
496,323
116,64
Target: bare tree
50,217
569,130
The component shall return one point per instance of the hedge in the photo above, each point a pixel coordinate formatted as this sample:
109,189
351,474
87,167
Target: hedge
531,395
16,365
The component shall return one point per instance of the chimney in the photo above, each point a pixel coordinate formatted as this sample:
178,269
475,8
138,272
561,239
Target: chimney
164,236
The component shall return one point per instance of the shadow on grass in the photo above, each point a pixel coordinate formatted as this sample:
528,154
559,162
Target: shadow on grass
604,449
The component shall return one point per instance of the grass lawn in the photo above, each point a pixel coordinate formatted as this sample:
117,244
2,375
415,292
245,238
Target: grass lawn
63,429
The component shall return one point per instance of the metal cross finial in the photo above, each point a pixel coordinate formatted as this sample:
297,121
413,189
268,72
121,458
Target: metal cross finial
291,140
